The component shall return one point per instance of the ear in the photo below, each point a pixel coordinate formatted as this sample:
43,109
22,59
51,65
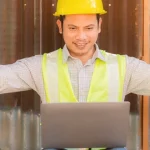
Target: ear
58,22
100,23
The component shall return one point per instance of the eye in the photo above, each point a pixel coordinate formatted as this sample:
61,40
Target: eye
72,28
89,28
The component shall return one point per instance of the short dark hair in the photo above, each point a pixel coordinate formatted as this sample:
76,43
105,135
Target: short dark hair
62,17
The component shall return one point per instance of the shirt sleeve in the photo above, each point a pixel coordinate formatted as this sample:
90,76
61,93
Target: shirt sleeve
137,78
20,76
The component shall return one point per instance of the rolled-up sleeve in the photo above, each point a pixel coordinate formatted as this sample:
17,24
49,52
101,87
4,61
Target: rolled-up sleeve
20,76
137,77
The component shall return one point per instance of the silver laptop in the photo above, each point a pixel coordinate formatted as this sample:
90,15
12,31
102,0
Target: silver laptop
84,125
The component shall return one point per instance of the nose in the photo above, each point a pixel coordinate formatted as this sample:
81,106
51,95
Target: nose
81,35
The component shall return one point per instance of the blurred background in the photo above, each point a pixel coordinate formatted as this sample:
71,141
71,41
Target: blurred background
27,28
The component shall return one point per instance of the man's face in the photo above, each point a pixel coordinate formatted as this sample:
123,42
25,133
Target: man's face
80,33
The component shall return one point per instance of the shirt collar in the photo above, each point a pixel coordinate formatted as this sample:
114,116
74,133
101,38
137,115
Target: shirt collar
98,54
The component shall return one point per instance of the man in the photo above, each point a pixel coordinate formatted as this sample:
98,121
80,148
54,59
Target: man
80,72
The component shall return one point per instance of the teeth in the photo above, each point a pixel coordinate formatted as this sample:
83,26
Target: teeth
80,44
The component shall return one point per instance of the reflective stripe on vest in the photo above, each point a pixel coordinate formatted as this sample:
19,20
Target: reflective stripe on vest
106,83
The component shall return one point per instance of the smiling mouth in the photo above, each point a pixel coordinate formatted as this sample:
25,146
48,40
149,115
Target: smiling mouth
80,46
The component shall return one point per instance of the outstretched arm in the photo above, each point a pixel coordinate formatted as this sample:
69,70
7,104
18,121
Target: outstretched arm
137,77
20,76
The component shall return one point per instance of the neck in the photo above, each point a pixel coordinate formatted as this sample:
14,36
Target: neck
84,57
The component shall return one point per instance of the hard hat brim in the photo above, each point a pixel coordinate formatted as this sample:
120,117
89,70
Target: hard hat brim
57,14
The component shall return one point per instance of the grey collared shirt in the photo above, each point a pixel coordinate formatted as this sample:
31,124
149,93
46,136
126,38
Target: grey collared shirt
26,74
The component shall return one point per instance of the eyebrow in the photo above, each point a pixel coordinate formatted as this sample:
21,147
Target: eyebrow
90,25
71,25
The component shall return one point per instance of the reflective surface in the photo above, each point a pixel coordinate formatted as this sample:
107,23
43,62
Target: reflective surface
19,131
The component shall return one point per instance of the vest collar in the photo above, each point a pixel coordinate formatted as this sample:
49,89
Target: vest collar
97,54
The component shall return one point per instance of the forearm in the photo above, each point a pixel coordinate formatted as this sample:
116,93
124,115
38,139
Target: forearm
10,81
20,76
138,77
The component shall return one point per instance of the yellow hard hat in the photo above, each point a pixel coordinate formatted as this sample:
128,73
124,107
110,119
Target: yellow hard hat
70,7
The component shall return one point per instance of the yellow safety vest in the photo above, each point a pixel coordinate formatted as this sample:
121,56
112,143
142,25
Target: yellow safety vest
106,83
